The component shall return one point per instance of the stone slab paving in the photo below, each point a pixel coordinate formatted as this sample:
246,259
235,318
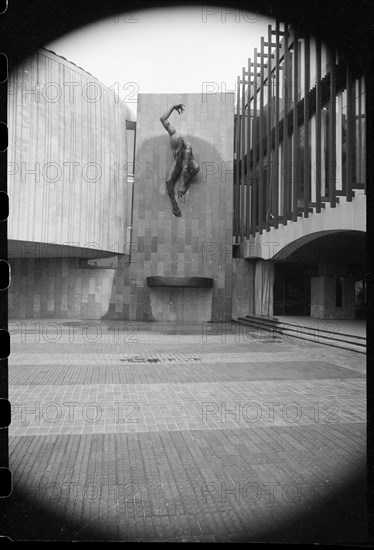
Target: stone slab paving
177,438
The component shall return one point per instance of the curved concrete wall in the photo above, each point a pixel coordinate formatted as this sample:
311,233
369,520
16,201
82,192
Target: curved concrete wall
278,244
67,156
67,185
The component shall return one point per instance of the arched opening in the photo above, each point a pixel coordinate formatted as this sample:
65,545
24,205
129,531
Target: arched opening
323,278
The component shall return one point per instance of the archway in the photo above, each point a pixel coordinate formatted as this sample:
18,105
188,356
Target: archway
322,275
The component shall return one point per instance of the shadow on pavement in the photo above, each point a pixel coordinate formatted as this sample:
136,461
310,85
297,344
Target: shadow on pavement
341,519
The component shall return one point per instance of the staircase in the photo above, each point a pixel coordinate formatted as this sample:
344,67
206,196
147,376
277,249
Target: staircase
271,325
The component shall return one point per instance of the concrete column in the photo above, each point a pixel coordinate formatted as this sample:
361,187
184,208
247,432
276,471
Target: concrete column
242,287
332,297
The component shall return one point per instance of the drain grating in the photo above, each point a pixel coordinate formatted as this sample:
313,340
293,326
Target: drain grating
141,359
138,359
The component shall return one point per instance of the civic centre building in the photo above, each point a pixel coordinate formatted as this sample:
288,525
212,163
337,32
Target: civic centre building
273,224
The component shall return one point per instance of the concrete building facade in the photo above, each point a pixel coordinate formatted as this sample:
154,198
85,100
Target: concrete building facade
300,178
273,224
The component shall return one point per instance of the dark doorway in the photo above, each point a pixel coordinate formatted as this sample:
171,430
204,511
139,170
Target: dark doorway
292,288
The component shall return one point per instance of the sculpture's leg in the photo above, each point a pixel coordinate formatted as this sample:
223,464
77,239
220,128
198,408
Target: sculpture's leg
190,169
171,179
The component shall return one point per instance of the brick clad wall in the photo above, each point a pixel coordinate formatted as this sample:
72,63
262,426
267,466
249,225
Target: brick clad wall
57,288
200,242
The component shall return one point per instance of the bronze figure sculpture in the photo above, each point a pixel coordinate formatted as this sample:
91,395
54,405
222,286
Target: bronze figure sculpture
183,160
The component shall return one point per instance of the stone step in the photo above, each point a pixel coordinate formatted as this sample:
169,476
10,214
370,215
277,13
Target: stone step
322,336
275,321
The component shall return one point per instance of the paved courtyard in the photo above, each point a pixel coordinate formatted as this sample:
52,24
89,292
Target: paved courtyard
148,431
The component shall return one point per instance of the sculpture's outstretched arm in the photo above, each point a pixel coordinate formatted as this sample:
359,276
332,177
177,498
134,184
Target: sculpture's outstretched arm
168,127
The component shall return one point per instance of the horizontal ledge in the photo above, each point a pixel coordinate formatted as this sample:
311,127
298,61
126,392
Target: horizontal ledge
197,282
36,249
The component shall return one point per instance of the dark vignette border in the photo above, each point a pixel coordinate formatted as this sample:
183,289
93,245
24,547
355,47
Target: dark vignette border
347,24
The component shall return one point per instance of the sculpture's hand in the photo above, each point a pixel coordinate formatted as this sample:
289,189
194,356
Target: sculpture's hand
179,108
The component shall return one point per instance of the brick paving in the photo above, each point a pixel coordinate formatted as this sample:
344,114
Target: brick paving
183,435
